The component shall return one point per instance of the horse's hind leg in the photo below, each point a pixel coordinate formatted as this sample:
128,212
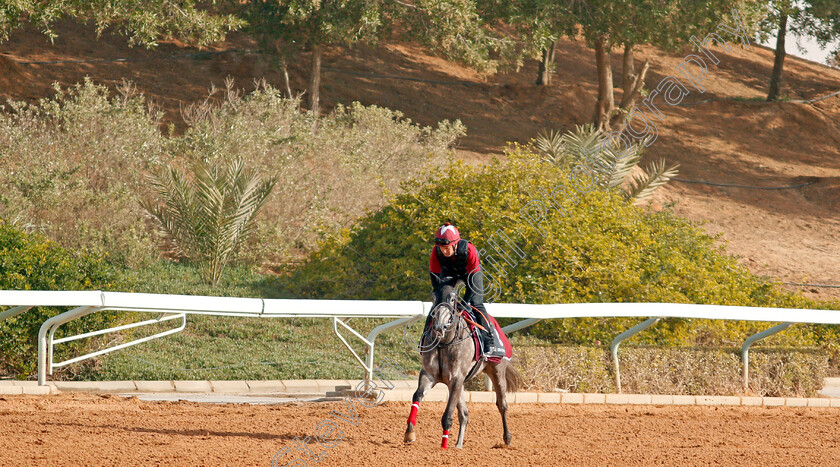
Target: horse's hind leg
497,375
463,419
425,383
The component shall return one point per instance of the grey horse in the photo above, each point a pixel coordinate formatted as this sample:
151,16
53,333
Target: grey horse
448,356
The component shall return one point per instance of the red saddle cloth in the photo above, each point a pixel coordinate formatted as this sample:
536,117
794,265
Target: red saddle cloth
502,336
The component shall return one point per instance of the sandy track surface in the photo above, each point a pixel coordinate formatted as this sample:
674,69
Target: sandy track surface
80,429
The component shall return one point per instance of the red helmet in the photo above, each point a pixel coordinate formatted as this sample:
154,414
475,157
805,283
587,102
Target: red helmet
446,234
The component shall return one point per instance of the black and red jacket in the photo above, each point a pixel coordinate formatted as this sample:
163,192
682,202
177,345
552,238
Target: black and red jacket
459,266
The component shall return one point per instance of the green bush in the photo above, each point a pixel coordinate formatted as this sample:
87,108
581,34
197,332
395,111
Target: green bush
605,250
31,262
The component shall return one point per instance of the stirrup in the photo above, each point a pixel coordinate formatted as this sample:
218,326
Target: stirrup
496,353
486,353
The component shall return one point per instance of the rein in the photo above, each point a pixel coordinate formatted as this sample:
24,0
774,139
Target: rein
466,317
458,329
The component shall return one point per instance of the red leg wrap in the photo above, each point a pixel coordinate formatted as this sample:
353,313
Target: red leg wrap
412,418
445,441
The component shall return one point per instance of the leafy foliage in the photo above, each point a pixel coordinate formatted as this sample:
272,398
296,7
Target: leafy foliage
588,146
537,24
143,21
72,167
208,212
288,27
31,262
608,24
304,23
643,184
811,18
819,19
330,173
453,28
458,30
664,24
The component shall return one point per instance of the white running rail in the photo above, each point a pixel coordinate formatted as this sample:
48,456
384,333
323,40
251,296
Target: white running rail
171,307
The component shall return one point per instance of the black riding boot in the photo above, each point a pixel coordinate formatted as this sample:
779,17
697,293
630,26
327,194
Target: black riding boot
487,343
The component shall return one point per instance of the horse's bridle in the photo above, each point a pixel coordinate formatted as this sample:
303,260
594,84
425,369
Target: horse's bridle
459,327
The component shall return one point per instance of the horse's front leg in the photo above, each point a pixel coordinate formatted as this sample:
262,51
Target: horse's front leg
456,386
425,383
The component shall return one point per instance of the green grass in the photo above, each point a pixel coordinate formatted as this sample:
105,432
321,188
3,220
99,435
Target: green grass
760,99
749,99
224,348
166,277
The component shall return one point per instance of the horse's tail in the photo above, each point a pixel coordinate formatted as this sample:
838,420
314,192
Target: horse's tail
513,380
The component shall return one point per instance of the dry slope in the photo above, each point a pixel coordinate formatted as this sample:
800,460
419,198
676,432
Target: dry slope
790,234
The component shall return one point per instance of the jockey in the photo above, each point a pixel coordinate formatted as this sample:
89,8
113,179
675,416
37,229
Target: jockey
452,260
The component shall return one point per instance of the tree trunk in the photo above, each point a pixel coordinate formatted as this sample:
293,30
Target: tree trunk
283,58
315,80
606,102
632,83
286,78
776,77
629,77
546,66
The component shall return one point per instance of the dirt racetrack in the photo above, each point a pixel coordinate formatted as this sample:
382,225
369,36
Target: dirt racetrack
81,429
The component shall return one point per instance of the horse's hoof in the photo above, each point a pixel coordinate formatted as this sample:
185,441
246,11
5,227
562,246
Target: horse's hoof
508,439
410,437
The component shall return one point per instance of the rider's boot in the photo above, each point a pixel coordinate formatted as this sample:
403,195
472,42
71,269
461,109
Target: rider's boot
487,345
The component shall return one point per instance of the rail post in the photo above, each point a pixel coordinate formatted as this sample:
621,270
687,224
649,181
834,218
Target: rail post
372,340
621,337
745,350
44,348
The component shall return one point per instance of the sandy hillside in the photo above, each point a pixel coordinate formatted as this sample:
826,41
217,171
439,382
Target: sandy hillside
790,234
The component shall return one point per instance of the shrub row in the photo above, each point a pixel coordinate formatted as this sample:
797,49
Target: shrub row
74,166
693,371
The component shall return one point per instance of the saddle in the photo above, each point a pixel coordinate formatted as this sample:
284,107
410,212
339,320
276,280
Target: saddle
501,345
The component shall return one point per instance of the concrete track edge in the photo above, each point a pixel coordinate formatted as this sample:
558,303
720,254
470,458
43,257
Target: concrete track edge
402,392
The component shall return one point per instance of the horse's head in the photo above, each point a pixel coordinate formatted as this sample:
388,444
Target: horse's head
445,316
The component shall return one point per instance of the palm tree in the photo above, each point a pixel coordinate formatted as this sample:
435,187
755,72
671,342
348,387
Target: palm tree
585,145
208,212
